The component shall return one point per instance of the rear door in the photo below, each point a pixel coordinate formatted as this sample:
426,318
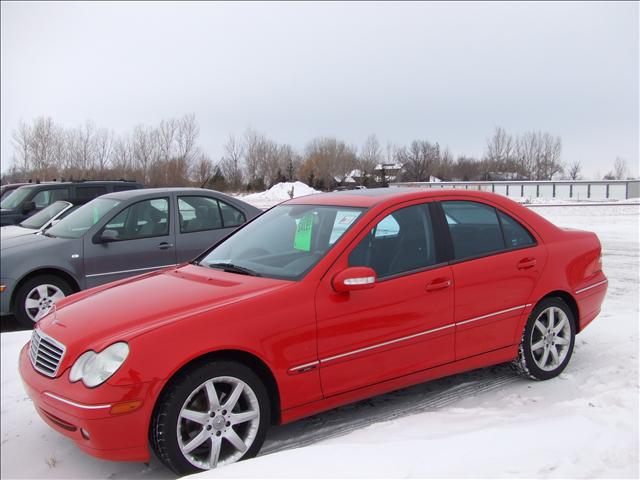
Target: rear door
202,221
496,265
404,323
144,241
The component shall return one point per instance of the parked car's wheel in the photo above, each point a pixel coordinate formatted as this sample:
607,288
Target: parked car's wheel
35,297
547,342
213,415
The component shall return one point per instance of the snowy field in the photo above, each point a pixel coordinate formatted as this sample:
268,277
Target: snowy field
486,423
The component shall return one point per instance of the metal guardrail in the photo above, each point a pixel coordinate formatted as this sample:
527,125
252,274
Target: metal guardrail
530,189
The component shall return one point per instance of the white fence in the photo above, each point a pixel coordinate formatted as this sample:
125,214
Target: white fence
562,189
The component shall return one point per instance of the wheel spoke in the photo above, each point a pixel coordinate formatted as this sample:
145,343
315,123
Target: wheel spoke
235,440
560,325
196,441
554,354
540,327
551,318
199,417
41,313
216,443
235,395
545,356
31,303
42,291
537,346
237,418
58,295
561,341
212,395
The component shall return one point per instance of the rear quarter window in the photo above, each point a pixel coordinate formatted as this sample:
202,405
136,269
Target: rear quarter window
515,235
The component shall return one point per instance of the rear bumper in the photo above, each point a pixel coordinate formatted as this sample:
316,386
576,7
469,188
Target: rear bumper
589,299
120,437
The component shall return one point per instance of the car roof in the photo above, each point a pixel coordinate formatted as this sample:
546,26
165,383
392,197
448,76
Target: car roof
375,196
142,192
79,183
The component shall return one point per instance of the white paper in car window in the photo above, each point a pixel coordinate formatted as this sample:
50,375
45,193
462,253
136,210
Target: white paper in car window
344,218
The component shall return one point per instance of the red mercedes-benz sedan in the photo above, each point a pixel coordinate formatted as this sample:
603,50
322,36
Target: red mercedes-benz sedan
321,301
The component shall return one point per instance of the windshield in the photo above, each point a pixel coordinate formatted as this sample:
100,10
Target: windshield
285,242
14,199
77,223
43,216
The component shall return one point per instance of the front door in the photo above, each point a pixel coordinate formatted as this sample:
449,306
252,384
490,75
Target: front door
404,323
143,241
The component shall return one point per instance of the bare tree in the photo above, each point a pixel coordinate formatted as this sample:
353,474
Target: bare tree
620,168
203,170
370,156
231,164
419,160
573,170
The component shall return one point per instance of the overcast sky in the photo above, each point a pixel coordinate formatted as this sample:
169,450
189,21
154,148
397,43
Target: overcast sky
445,72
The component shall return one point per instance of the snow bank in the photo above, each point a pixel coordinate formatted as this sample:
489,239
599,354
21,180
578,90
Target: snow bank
278,193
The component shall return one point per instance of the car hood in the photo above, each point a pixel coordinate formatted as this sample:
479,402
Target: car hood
119,311
25,242
10,231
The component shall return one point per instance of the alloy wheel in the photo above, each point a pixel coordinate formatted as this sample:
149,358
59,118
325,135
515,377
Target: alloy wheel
218,422
40,299
550,338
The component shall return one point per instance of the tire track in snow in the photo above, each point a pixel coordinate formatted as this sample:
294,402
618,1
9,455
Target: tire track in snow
421,398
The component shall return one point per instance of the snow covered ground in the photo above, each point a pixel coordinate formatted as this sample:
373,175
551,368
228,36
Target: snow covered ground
486,423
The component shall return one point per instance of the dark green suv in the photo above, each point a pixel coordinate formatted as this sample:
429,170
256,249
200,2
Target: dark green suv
31,198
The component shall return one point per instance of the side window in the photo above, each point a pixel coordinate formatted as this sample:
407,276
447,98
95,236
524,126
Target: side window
47,197
515,235
88,193
475,229
149,218
231,216
402,241
122,188
198,214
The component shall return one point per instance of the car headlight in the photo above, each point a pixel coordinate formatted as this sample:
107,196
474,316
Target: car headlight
95,368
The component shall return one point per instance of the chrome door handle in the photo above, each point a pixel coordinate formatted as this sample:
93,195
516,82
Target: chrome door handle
164,245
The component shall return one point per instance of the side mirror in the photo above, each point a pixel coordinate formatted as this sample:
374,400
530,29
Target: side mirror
27,207
354,278
108,236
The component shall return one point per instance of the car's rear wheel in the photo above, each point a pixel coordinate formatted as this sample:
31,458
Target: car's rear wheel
547,342
36,296
214,415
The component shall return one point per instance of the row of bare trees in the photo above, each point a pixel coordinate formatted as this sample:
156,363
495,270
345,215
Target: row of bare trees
161,155
168,154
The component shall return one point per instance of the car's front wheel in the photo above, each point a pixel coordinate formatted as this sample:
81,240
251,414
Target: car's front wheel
212,415
35,297
547,342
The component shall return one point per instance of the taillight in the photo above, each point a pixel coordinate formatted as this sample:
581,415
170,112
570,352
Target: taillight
597,265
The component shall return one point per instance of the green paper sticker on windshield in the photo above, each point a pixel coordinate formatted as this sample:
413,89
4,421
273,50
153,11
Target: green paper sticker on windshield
96,214
302,240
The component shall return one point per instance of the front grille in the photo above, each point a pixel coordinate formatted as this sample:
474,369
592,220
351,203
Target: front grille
45,353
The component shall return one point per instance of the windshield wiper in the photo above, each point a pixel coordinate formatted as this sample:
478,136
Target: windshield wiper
47,234
230,267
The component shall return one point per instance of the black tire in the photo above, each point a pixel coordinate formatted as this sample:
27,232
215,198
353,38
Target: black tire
163,432
20,298
529,366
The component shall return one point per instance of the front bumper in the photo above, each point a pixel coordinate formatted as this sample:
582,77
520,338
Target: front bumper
5,295
69,407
